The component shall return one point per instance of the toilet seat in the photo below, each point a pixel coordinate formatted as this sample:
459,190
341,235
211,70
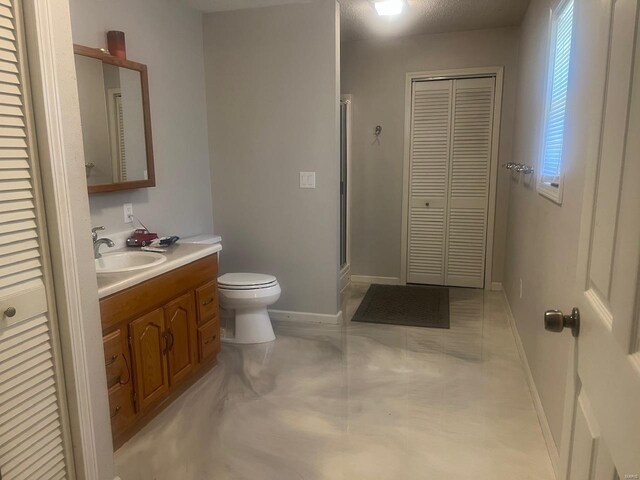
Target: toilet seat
246,281
244,299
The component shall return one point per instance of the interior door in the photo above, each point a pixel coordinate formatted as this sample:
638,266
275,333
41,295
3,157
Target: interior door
149,345
34,433
428,181
469,169
605,388
180,321
450,160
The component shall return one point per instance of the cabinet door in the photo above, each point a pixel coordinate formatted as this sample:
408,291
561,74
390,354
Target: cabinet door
180,322
117,363
148,345
208,341
121,408
207,300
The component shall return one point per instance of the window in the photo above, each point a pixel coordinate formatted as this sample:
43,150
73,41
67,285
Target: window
550,170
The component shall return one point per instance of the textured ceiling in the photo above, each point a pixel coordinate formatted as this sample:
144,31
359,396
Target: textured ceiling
226,5
359,19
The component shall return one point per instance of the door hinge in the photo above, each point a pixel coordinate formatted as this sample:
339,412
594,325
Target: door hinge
130,340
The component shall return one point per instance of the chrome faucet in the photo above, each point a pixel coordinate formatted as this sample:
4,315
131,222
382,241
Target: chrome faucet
99,241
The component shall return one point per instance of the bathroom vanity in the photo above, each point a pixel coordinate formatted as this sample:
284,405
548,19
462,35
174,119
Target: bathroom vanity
161,332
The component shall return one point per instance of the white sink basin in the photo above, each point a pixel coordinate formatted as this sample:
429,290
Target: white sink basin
119,262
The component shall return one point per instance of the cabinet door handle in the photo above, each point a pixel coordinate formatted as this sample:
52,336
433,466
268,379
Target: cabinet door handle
111,361
209,340
126,363
116,411
207,302
169,340
165,336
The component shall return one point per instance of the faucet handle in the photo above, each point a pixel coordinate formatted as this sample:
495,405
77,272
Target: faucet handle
94,232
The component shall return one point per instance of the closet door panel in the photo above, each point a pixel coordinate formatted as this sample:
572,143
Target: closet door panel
471,135
34,439
429,158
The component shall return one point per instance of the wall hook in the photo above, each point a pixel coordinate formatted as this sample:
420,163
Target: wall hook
376,134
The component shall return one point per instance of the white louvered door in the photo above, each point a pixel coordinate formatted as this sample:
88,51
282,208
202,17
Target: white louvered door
471,133
430,152
451,132
34,437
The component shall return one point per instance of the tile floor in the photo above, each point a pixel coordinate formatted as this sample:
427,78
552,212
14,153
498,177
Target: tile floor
358,402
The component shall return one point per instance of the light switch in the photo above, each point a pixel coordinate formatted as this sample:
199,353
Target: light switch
307,179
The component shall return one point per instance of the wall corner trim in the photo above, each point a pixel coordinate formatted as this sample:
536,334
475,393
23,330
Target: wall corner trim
537,402
305,317
368,279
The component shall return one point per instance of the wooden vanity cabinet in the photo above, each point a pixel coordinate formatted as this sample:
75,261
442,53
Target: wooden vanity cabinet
159,337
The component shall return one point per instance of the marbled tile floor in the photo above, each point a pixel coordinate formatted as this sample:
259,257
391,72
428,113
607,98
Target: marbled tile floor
358,402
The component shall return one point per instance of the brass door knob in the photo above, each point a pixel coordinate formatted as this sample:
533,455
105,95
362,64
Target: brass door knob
555,321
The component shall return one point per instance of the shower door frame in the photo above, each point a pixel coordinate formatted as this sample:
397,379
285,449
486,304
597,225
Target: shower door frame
345,269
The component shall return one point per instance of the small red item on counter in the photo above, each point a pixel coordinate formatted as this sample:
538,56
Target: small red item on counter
141,238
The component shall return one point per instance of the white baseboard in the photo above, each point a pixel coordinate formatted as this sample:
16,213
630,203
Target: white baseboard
307,317
537,402
496,286
380,280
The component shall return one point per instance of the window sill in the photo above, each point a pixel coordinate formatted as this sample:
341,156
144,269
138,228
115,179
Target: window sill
552,193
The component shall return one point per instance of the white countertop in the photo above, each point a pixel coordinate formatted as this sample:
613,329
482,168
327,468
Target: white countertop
178,255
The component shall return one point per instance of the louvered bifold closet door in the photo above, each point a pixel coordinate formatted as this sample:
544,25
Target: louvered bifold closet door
429,157
471,137
32,439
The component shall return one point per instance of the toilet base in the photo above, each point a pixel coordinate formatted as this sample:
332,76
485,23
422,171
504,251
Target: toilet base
252,325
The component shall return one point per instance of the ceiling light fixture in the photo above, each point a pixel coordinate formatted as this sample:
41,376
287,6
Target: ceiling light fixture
387,8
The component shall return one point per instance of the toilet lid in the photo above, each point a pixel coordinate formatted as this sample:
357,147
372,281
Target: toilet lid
246,280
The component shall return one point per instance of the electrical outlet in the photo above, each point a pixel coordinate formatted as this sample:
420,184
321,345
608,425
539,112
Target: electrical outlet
520,288
128,212
307,179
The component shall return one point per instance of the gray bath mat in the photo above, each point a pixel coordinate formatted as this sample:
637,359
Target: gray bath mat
411,305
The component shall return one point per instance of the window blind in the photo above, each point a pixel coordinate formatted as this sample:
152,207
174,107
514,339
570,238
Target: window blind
557,102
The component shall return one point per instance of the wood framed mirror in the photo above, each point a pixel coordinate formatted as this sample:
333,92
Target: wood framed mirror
116,121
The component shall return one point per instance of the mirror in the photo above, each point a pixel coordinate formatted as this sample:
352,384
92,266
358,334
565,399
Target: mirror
116,121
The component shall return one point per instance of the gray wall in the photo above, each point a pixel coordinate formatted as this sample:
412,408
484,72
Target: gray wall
167,36
374,72
542,236
273,94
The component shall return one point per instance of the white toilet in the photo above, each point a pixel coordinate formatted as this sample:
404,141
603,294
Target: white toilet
244,298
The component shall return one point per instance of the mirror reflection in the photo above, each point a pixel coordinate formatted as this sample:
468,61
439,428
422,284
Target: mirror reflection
113,127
